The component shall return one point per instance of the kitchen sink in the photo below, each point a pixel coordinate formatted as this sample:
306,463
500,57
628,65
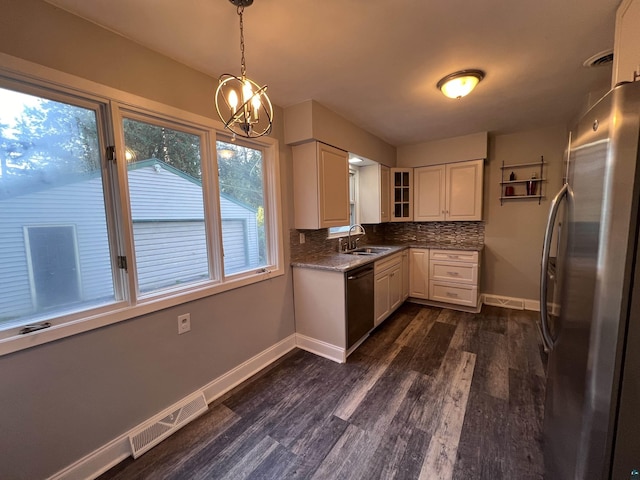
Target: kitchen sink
368,251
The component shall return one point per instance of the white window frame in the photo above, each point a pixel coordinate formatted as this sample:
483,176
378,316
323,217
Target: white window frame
127,304
354,198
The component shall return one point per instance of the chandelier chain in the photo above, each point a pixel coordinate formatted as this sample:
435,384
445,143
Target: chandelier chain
243,68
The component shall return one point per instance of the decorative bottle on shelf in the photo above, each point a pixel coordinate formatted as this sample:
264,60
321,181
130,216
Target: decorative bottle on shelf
512,177
532,184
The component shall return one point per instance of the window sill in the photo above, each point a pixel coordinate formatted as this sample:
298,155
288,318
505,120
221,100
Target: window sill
120,311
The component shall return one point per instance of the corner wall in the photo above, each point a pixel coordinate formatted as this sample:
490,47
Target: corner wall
514,231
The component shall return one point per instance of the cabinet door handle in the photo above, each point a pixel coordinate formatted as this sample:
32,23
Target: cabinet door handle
451,294
453,274
453,256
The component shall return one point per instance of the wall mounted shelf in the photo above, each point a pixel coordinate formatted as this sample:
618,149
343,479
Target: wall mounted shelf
534,184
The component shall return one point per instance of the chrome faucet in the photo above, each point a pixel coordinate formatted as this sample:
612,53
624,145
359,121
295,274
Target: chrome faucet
351,245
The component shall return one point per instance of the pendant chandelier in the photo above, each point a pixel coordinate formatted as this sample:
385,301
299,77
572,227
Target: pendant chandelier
242,104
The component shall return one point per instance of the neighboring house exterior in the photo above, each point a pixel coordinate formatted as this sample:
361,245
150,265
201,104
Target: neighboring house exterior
47,235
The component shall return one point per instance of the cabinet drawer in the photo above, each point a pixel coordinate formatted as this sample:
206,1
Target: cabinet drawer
455,255
386,263
458,272
453,293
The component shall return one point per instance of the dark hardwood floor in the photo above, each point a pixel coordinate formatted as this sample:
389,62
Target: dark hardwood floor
431,394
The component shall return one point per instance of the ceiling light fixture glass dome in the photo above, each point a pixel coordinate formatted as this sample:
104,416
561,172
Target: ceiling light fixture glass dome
459,84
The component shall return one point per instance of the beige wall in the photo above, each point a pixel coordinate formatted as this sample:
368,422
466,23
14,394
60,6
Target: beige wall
312,121
62,400
514,231
448,150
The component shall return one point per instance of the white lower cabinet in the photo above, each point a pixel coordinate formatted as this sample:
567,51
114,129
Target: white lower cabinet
388,286
444,276
320,305
453,277
405,275
419,273
453,293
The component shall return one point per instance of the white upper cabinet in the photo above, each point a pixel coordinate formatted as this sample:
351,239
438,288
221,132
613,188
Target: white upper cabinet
464,190
450,192
373,194
626,52
320,186
402,194
429,203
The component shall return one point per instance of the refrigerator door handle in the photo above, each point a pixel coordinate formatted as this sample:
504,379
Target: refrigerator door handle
546,246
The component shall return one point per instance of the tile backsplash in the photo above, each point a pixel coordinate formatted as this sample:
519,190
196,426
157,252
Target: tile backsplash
454,233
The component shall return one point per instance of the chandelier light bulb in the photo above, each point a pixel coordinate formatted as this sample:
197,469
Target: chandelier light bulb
247,91
255,103
233,101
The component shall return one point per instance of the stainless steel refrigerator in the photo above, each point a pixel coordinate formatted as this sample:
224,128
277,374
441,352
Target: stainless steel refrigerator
592,327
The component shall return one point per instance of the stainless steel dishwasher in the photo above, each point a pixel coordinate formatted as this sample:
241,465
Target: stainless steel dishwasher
360,302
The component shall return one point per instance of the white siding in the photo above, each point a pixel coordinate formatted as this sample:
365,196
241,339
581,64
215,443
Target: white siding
170,253
80,204
179,245
157,193
234,241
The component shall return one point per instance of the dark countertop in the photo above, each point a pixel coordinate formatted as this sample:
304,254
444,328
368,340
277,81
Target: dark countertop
343,262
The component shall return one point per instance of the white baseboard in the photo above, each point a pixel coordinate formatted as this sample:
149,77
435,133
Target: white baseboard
232,378
99,461
320,348
533,305
511,302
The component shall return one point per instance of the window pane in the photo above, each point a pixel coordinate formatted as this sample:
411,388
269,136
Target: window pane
240,171
54,247
167,209
353,185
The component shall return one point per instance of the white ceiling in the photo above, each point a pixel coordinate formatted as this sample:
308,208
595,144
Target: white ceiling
376,62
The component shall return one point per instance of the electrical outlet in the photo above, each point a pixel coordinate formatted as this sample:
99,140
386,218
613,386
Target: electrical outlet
302,238
184,323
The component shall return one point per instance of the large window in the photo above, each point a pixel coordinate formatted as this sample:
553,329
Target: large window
54,247
167,209
108,212
242,209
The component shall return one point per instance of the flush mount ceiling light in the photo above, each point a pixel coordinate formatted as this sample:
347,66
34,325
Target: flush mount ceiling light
242,104
459,84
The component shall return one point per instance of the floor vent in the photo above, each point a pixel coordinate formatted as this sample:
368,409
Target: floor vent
504,302
150,433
